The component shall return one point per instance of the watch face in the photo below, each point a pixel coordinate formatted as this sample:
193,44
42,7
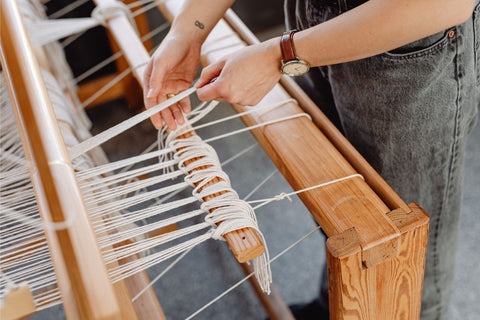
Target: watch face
295,67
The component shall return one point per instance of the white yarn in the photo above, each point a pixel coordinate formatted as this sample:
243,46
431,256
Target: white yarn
118,77
284,195
46,31
127,124
34,14
222,136
24,256
43,32
227,208
236,285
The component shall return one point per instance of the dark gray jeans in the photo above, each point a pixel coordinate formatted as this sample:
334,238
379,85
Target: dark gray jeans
409,112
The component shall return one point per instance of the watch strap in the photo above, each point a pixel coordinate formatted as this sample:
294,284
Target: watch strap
287,47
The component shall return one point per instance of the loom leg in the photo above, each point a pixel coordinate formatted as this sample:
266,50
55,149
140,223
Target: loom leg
390,290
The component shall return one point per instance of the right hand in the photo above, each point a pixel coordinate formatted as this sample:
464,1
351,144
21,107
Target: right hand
171,70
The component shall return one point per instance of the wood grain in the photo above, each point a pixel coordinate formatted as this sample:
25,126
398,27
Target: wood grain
307,158
391,290
83,281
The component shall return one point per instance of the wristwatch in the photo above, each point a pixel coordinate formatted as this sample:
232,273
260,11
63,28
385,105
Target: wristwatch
291,64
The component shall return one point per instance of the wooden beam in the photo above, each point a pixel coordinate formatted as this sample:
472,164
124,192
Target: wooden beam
307,158
82,277
372,177
17,303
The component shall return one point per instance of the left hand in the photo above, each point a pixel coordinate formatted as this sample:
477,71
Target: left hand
243,77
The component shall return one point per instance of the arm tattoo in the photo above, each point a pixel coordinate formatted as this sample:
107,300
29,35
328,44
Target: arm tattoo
199,24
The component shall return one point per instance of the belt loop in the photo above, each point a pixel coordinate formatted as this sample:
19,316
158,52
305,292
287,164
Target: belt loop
342,5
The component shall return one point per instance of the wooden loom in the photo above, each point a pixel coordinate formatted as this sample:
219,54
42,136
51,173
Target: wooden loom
376,243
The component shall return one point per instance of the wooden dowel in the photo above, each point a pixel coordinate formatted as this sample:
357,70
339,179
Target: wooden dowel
375,181
245,244
81,274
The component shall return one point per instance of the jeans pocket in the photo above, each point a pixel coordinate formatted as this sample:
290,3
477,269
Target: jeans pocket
422,47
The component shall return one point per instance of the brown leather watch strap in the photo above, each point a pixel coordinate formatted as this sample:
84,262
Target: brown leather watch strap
286,44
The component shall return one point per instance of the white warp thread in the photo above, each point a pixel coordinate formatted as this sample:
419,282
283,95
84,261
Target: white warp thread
43,32
125,125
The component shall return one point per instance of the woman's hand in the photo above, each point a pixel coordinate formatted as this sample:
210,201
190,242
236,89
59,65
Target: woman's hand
243,77
171,70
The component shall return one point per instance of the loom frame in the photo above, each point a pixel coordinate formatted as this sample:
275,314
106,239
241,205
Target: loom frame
356,260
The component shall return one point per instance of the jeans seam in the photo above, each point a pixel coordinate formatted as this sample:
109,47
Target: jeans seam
448,186
421,53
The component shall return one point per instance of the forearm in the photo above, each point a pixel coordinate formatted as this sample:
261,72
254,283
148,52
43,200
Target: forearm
198,17
378,26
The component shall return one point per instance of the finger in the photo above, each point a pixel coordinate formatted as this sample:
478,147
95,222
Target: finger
186,105
177,114
154,87
211,91
157,121
209,73
169,118
176,110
